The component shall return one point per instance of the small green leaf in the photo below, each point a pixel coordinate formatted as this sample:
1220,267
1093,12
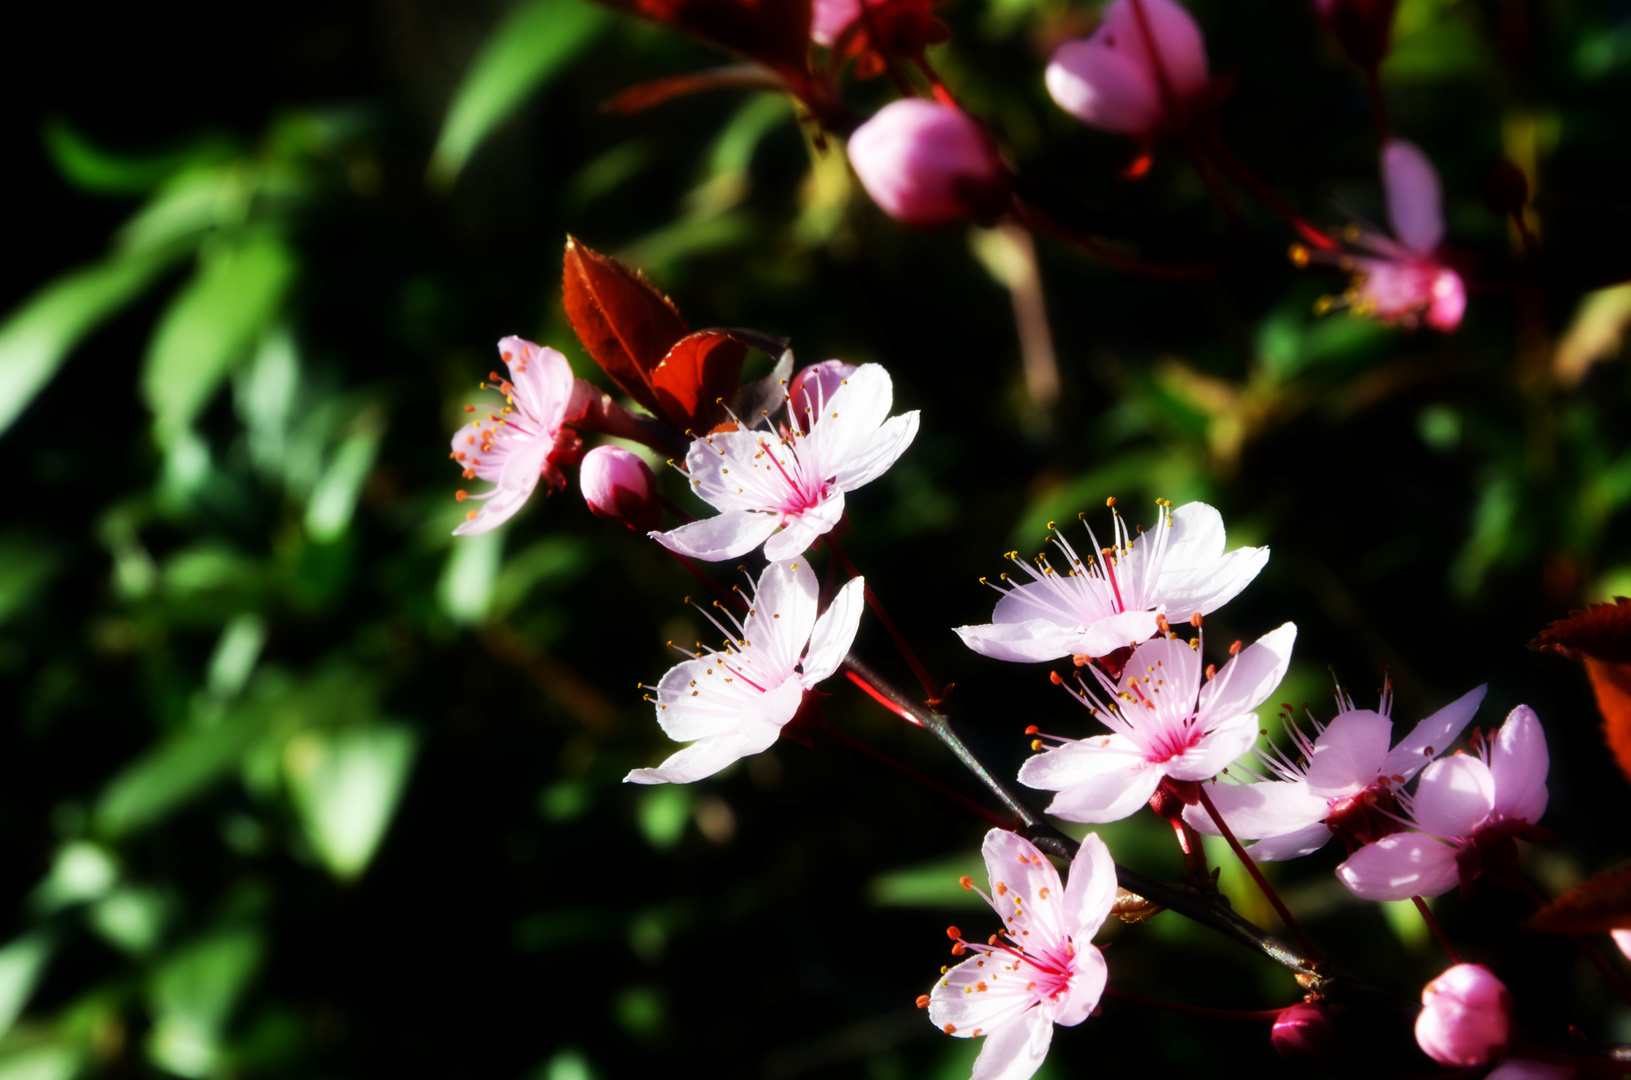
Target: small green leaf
177,771
193,994
21,964
334,498
26,565
346,785
530,48
211,323
465,591
91,168
38,336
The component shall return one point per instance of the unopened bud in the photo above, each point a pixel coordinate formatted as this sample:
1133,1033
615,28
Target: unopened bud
925,163
1364,28
617,484
1466,1016
1305,1032
1113,80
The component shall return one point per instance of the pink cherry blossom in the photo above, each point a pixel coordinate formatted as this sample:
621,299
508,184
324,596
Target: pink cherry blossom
1117,596
830,18
1399,278
1115,81
785,488
733,702
524,440
926,163
1465,814
616,484
1339,782
1046,972
1168,720
1466,1017
1520,1069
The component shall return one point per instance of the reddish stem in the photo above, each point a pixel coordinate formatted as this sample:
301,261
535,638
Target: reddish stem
936,87
878,696
1373,84
1265,194
1586,948
986,814
662,500
922,673
1037,222
1257,875
730,596
898,77
1438,931
1252,1016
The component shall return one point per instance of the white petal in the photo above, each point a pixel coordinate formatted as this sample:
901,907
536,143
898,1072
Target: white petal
1291,845
1115,631
1032,641
1025,888
881,451
1348,754
835,632
500,506
1453,797
1254,811
732,534
1196,540
1414,199
1090,890
1086,984
1217,748
1206,589
1518,762
783,614
702,758
1096,782
853,415
1248,679
1015,1050
691,704
958,1000
1432,736
1400,866
803,530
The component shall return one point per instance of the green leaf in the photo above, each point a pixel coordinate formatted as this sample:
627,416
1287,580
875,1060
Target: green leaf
334,497
21,964
346,785
465,591
38,336
90,168
530,48
193,995
177,771
211,323
26,565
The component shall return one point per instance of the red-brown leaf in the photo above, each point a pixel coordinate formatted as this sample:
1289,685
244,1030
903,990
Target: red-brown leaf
626,325
1612,684
1595,906
774,32
696,373
1601,632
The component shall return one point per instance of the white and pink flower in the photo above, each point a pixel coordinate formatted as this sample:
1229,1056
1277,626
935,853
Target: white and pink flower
785,488
1341,782
1117,596
1145,61
1466,1017
1168,721
1042,969
524,440
734,702
1467,812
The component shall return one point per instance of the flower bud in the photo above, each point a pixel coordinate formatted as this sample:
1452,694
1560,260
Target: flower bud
925,163
1465,1018
813,386
1305,1032
1364,28
618,485
1114,81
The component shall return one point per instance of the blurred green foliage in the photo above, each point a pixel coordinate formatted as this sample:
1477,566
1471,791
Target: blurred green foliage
300,786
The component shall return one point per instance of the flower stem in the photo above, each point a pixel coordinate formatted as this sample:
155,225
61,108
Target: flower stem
1257,876
1252,1016
1586,948
930,690
1438,931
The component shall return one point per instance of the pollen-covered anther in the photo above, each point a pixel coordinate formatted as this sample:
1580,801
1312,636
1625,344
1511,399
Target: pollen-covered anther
966,882
1234,650
1195,620
923,1001
954,933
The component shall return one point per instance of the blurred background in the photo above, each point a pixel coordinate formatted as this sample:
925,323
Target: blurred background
294,784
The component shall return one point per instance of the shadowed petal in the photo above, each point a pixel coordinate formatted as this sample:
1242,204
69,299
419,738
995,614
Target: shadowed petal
835,632
1349,753
1518,762
1266,808
1400,866
1454,797
729,535
1414,198
1432,736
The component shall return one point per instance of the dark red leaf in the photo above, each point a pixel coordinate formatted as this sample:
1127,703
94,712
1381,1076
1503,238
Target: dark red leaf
1601,632
774,32
696,373
1595,906
626,325
1612,683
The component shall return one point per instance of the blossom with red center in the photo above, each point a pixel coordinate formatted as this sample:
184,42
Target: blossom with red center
1340,782
1466,1016
1042,969
1168,720
1466,815
784,488
523,440
1400,278
1118,595
733,702
1136,72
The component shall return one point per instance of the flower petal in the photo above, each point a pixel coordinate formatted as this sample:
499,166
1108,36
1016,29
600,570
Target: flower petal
1432,736
1217,748
1177,38
1453,797
1015,1050
1025,888
727,536
854,413
1348,754
834,632
1400,866
1103,87
1414,198
971,1000
882,450
1290,845
500,505
1031,641
803,530
1090,891
1196,540
1518,762
1208,588
701,759
691,704
1086,986
783,614
1100,779
1266,808
1248,679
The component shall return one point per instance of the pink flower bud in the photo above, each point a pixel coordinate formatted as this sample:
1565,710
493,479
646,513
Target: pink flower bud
830,18
1465,1018
618,485
813,387
1113,80
1305,1032
926,163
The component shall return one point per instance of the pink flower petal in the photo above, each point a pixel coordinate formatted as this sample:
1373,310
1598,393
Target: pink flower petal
1349,753
1176,35
1400,866
834,632
1432,736
699,760
1266,808
1104,87
783,613
729,535
1090,891
1217,748
1449,301
1031,641
1206,589
1291,845
885,446
1024,885
1518,763
805,529
1453,797
1249,678
1015,1050
1413,197
500,505
1100,779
